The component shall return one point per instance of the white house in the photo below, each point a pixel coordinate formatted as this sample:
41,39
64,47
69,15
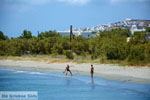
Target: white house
134,28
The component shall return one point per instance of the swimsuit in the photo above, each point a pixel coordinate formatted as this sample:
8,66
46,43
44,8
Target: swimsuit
92,70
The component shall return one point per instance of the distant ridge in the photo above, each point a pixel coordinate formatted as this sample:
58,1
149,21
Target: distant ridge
126,23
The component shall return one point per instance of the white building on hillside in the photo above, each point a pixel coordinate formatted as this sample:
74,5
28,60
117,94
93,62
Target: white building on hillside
134,28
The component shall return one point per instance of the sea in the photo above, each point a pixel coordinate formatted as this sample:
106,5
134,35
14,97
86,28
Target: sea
57,86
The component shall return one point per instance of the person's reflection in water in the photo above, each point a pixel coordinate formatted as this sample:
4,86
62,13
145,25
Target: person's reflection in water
68,81
92,84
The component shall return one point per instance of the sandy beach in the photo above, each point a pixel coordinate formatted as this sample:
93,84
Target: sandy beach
108,71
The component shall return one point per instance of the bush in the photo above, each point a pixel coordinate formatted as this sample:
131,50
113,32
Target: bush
69,55
147,52
119,51
137,53
57,49
108,45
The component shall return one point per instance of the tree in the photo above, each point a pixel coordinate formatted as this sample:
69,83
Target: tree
47,34
26,34
2,36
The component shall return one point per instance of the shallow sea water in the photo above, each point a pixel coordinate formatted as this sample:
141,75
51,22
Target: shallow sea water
56,86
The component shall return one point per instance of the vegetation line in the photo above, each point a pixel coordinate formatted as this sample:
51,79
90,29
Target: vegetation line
114,46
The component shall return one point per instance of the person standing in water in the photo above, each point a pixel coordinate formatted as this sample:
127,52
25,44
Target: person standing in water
68,70
92,71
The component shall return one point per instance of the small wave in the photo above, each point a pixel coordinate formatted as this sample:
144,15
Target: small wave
29,72
20,72
38,73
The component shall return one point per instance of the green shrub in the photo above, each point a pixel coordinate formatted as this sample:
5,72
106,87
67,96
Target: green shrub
137,53
69,54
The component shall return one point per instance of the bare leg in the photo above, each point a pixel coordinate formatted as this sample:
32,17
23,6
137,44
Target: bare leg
70,73
66,73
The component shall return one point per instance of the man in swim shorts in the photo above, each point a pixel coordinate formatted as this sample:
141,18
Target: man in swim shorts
68,70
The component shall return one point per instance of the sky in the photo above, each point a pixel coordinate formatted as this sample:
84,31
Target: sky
44,15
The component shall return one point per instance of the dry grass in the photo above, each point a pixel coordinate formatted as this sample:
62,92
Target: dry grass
77,59
43,58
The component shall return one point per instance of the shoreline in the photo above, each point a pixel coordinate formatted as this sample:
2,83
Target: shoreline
107,71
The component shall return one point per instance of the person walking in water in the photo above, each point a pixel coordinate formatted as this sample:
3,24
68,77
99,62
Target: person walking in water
68,70
92,71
